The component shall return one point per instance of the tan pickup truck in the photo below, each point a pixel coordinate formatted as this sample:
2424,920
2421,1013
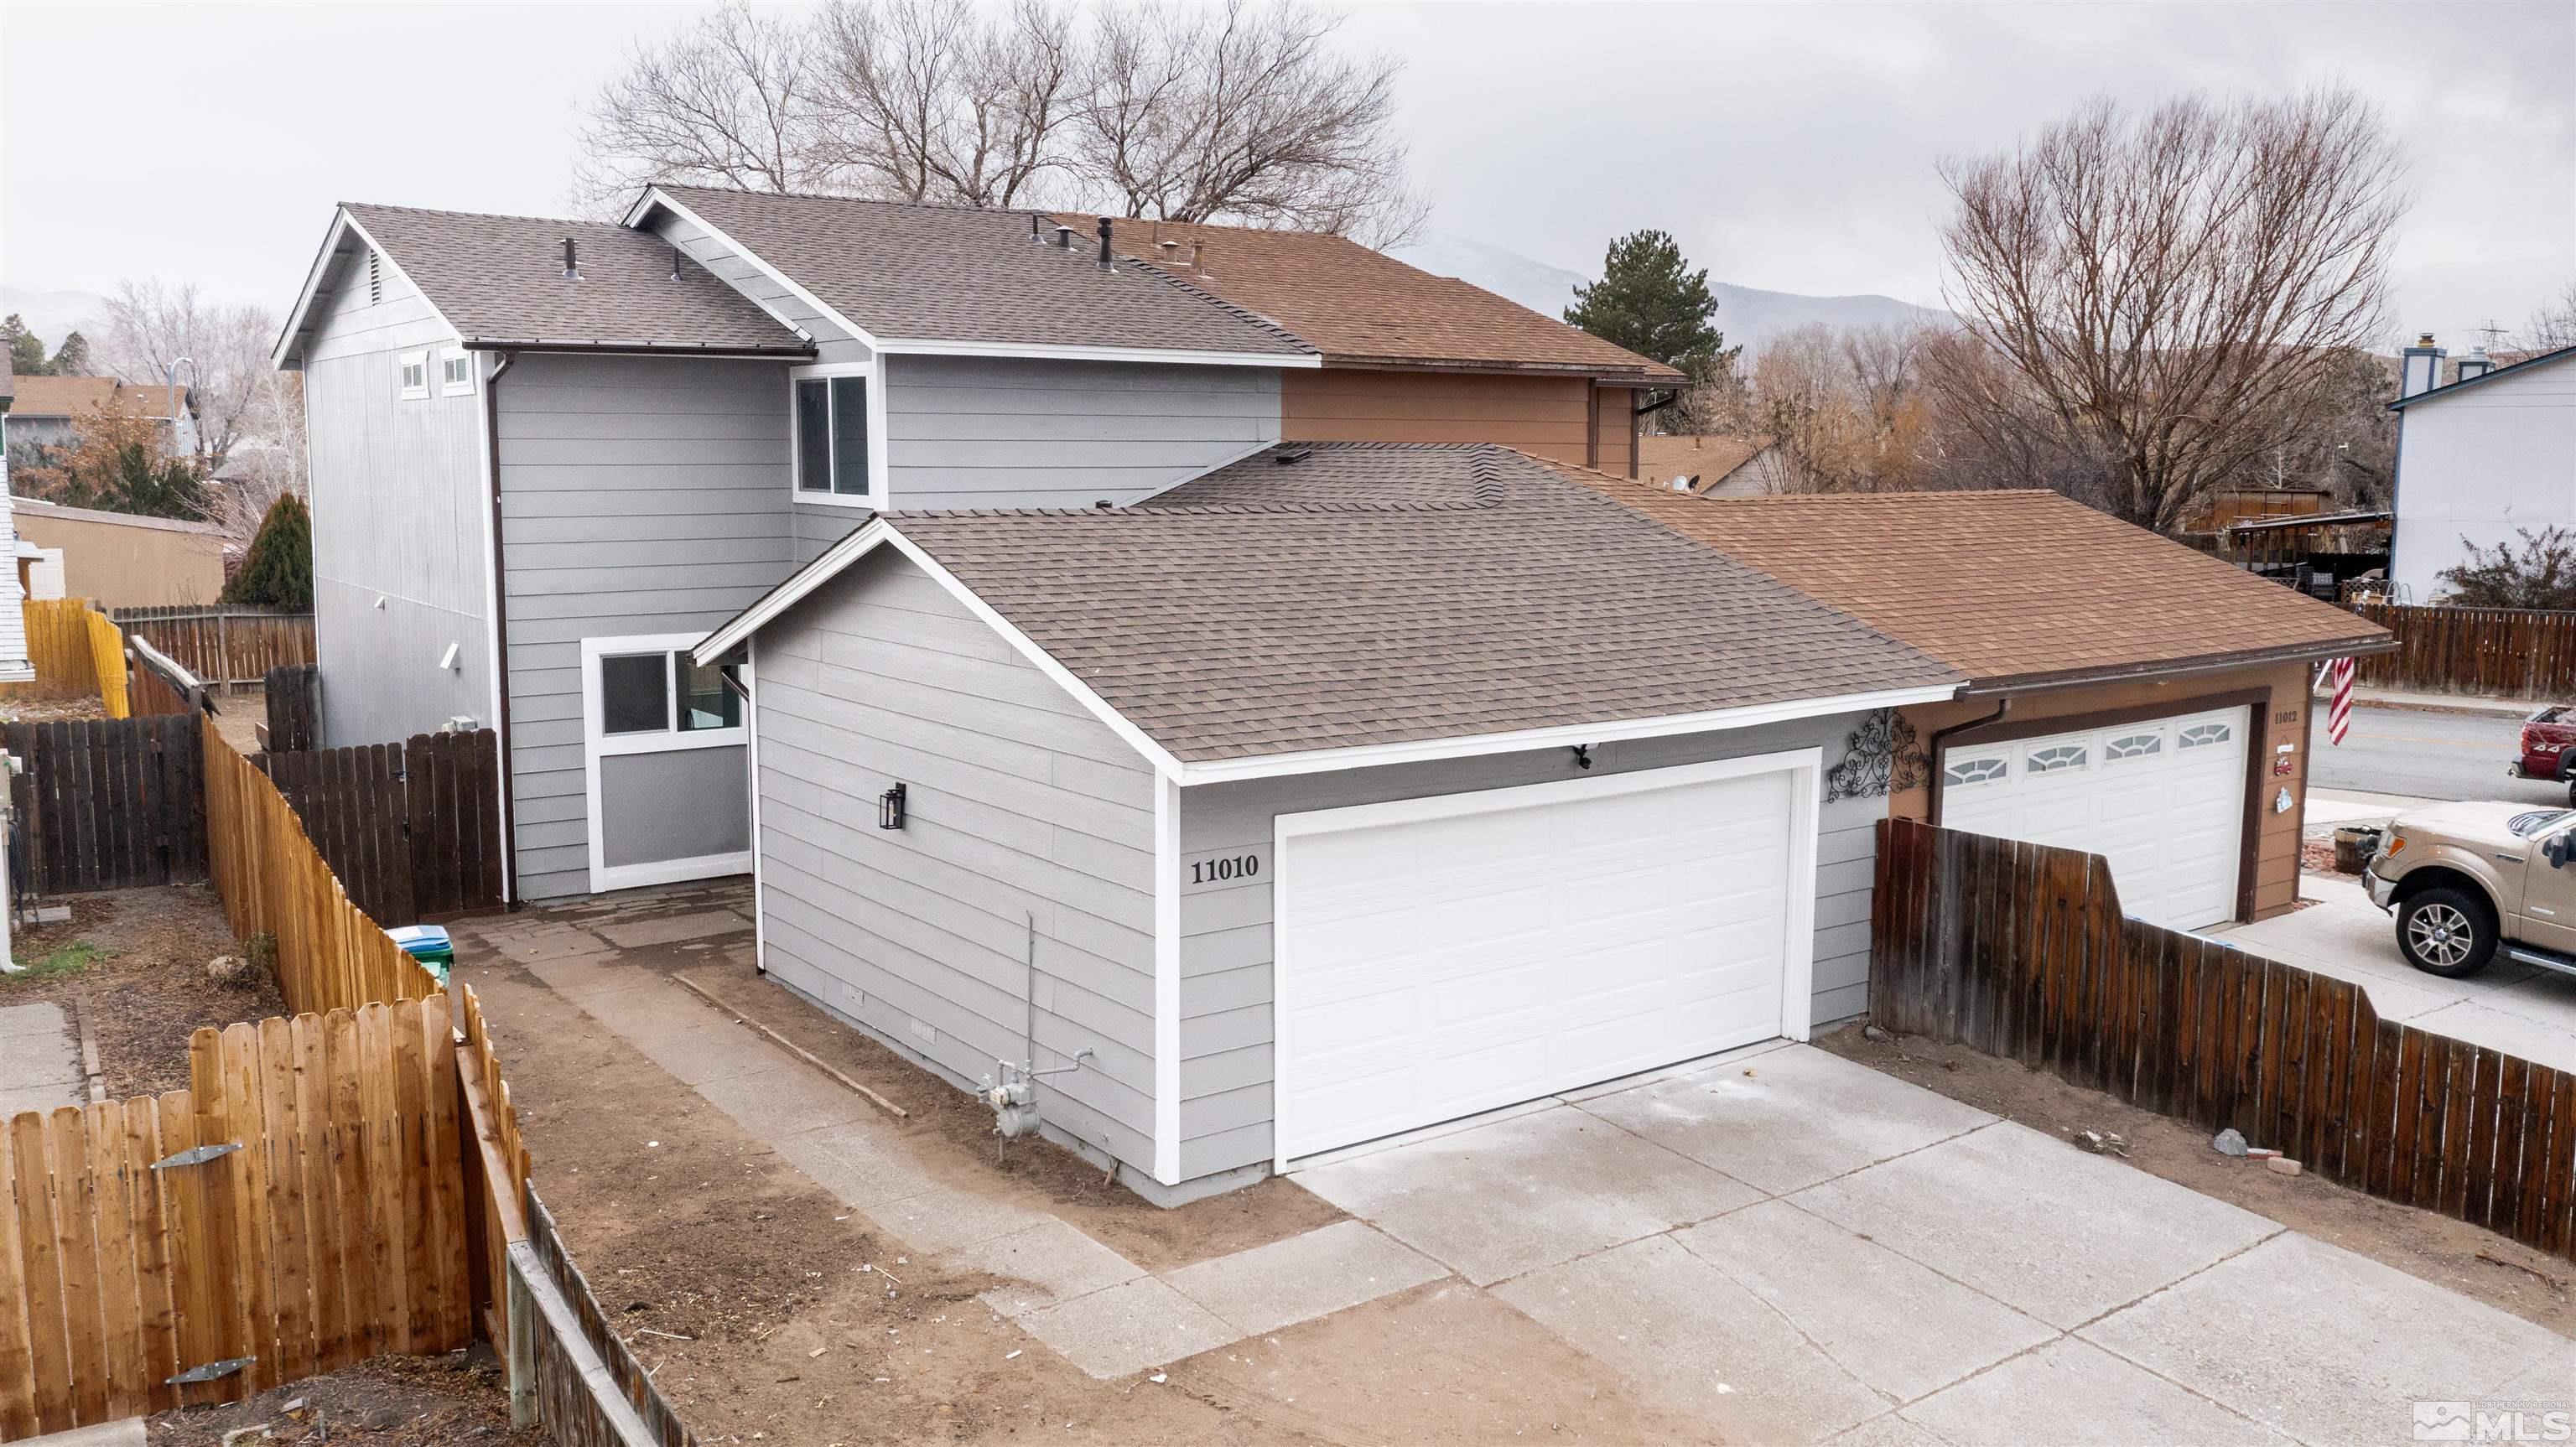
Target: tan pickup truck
2468,880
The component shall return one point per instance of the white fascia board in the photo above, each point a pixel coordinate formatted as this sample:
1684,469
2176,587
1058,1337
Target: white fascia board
920,347
1167,980
1318,761
657,197
879,533
345,221
312,287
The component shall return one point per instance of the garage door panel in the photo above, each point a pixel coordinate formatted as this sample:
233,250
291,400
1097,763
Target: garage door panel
2168,818
1543,947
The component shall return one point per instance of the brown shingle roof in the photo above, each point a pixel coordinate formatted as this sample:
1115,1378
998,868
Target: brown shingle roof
2013,588
1710,457
1376,594
75,396
499,279
950,273
1358,305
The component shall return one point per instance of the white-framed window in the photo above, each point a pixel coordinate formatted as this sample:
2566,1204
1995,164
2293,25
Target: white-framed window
1980,769
411,374
838,421
2144,744
653,798
2056,758
455,372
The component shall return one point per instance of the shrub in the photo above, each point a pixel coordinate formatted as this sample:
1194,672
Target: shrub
278,570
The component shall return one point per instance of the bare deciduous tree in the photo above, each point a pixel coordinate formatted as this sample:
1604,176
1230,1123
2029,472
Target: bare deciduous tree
2169,289
2552,325
1242,112
730,101
945,100
146,326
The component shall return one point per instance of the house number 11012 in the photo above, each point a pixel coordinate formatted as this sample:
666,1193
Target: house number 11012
1219,871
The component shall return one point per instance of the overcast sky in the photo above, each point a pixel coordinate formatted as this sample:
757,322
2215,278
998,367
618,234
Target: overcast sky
1789,146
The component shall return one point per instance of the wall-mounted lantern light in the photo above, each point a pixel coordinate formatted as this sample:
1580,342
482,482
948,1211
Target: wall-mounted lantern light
890,808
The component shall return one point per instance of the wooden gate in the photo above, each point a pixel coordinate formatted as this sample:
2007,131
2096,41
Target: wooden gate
107,804
412,829
296,1209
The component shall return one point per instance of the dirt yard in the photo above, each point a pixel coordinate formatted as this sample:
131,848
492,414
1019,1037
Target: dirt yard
385,1402
53,710
130,964
764,1308
2475,1262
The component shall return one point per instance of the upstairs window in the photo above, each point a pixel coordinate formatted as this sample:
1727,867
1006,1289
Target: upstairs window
455,372
411,374
832,434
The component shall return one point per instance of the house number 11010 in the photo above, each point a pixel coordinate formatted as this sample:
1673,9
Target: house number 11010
1219,871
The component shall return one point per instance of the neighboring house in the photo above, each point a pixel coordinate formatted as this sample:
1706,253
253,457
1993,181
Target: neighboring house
2127,694
1713,465
121,560
2224,508
1309,801
1408,356
575,447
15,666
2479,461
50,411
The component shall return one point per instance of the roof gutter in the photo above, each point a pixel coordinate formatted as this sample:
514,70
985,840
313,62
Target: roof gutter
2295,653
634,349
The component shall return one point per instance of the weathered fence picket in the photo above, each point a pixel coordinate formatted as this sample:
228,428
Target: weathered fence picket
2510,652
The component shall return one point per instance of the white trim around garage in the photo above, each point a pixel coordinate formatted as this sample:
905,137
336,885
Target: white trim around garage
1167,980
1804,766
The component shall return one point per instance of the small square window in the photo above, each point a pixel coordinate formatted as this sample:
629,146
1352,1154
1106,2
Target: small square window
707,699
455,372
635,693
411,370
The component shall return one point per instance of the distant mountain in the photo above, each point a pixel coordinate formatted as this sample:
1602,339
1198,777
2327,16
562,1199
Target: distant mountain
49,314
1749,316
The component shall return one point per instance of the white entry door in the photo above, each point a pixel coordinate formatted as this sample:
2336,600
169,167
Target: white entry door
1443,956
2163,800
666,763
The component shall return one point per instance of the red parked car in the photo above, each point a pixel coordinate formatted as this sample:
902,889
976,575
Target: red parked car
2549,748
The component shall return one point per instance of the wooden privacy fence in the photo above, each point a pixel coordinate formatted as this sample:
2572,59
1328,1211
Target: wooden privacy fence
2512,652
294,697
76,651
225,643
2021,950
107,804
330,955
582,1380
412,829
158,685
295,1209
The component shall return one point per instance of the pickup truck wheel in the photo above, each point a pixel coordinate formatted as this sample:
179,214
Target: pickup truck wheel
2447,932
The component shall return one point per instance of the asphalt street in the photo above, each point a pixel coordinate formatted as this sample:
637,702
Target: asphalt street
2426,755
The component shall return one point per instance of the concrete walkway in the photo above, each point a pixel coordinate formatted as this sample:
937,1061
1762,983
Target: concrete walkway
2519,1009
40,1062
1101,1311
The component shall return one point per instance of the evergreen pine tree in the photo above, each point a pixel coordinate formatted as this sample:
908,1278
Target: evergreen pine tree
278,570
1650,301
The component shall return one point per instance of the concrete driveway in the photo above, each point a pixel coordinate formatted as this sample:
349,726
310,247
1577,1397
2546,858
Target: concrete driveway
2519,1009
1788,1247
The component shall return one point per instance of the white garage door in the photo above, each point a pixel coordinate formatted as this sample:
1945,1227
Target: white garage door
1444,956
2163,800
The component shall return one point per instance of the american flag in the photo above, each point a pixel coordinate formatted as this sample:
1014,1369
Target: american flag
2339,713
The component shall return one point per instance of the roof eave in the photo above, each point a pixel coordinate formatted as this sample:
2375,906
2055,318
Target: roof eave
635,348
1493,366
2378,641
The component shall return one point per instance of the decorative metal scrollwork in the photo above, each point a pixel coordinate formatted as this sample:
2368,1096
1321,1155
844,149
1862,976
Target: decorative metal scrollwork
1883,755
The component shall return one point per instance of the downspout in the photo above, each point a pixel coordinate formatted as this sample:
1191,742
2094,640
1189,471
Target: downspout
501,638
1939,740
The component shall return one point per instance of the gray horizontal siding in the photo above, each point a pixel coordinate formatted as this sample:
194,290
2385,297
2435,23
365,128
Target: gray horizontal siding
638,495
399,515
1024,813
1226,950
1013,432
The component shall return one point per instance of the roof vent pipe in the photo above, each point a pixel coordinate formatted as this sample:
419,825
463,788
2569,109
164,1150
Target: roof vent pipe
1104,243
1034,238
675,263
1064,238
572,267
